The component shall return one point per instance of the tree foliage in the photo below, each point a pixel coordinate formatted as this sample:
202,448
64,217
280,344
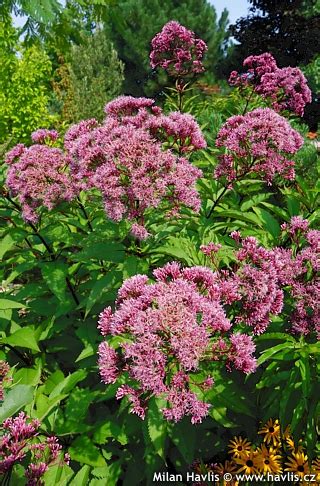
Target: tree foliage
289,30
93,76
24,87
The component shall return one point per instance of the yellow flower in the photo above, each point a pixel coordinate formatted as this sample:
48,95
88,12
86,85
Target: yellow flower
238,446
248,462
316,468
227,467
287,433
298,464
267,460
271,431
293,447
316,465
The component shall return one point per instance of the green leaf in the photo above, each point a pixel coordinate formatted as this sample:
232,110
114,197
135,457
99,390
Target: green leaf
270,336
183,436
293,206
44,405
15,399
6,244
268,353
269,222
97,290
66,385
108,251
82,476
58,474
24,338
54,274
28,376
110,429
10,304
157,427
219,414
84,451
304,367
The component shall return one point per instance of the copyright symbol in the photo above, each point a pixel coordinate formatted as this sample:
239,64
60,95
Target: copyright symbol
227,477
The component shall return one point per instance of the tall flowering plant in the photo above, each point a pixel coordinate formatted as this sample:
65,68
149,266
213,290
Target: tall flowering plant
209,323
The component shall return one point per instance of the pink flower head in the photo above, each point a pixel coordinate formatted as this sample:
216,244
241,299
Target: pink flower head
257,67
287,88
180,128
260,65
20,437
133,173
240,353
296,224
298,273
15,153
127,106
210,249
42,135
39,178
168,325
177,50
259,143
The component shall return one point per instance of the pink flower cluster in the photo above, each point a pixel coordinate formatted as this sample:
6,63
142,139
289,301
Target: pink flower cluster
298,271
42,135
37,176
178,130
265,279
286,87
170,331
177,50
256,283
259,143
134,159
129,165
18,440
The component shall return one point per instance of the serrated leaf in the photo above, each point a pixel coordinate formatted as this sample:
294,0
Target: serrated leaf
157,428
24,338
84,451
82,476
15,400
6,244
10,304
275,350
54,274
66,385
183,436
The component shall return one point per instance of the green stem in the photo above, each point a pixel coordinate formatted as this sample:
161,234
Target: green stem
247,102
23,357
217,201
83,209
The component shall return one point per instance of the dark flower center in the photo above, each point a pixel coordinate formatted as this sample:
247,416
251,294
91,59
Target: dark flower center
300,468
267,461
249,463
239,448
271,430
